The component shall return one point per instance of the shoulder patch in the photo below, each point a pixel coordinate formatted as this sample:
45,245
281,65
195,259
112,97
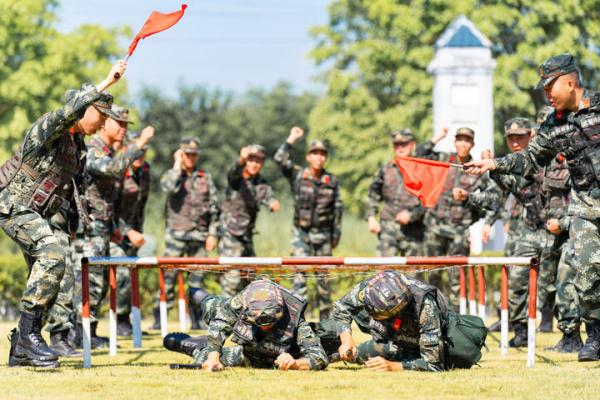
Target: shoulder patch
236,302
361,295
99,153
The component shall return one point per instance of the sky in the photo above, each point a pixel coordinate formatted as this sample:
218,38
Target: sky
230,44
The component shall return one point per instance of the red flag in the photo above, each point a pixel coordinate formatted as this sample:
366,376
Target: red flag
156,22
423,178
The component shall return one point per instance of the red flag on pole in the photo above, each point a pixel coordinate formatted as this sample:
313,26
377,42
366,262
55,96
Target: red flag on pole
156,22
423,178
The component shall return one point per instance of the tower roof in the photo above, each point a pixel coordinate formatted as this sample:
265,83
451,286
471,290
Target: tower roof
462,33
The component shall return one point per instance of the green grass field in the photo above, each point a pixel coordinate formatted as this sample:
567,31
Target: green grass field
145,374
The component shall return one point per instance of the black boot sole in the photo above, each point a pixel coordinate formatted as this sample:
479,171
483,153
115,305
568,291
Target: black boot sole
23,353
16,361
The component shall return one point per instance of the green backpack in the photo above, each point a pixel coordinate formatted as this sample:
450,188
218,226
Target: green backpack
464,337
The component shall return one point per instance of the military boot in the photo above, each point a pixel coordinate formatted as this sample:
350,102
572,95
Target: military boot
569,343
156,315
61,345
591,349
28,347
75,336
547,317
184,343
520,338
124,327
97,342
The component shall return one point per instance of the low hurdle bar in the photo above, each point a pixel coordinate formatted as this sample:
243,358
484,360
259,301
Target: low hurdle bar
342,264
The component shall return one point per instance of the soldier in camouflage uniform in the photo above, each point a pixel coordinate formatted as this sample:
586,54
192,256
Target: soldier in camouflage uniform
317,212
404,317
400,230
104,168
246,191
573,130
447,223
192,219
268,326
132,196
34,184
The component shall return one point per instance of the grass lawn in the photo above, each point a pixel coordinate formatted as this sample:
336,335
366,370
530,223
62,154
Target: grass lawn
145,374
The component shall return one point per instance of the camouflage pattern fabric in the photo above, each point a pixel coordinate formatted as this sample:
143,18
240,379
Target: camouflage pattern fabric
317,222
570,133
175,247
567,301
62,309
95,243
123,279
306,244
192,205
33,234
395,238
305,344
394,242
234,246
417,342
46,257
243,198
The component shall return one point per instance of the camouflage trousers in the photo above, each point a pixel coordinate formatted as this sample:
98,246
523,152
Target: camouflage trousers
181,248
531,243
441,245
34,236
95,243
123,278
548,271
567,301
371,348
585,247
234,246
59,315
394,242
232,356
305,245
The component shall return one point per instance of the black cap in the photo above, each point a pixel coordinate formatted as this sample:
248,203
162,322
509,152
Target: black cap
554,67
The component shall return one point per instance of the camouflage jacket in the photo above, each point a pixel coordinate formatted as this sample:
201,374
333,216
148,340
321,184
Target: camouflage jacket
449,215
388,186
576,136
39,176
105,167
301,342
317,202
418,335
192,204
243,198
132,195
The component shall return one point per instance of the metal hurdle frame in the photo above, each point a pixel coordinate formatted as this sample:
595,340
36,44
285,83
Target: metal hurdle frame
362,264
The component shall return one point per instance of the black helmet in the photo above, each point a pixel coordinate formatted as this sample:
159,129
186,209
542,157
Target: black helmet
263,303
386,295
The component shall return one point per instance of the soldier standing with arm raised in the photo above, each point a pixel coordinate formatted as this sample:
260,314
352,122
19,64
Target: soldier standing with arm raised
35,182
192,218
317,212
246,191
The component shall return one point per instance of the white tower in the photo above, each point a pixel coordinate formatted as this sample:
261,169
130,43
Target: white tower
462,92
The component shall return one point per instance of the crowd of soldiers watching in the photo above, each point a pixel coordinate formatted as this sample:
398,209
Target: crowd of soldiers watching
64,199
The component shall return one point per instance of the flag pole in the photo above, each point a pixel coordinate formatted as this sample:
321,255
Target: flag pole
460,166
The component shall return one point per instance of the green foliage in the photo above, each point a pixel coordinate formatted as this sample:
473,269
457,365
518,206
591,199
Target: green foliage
375,54
13,277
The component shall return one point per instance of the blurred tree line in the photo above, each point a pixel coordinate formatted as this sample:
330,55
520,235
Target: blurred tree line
374,54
